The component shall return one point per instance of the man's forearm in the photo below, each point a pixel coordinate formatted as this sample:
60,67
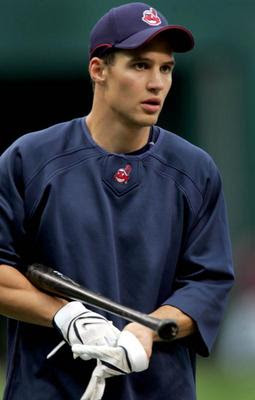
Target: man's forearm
146,336
20,300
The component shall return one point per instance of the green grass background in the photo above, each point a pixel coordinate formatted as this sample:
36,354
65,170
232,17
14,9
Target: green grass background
1,383
214,383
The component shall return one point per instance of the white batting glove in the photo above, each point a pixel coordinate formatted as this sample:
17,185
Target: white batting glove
128,356
79,325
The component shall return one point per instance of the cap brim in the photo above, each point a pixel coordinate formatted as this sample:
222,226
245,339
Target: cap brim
180,38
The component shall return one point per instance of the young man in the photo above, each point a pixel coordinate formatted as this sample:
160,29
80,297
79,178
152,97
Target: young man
125,208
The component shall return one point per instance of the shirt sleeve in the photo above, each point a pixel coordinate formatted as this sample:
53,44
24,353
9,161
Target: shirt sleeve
12,215
204,272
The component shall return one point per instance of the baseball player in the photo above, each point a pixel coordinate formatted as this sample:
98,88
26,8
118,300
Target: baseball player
128,210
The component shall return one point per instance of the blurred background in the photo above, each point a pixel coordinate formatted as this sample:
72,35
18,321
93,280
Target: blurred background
44,80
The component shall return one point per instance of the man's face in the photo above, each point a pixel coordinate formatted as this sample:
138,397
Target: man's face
138,82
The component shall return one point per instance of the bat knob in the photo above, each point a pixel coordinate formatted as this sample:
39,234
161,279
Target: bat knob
168,329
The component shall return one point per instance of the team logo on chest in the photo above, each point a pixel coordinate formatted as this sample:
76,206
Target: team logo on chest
123,174
151,17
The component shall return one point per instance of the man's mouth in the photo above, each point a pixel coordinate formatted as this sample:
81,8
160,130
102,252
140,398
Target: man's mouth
151,105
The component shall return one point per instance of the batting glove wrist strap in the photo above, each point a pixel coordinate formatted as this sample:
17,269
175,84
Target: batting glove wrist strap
66,314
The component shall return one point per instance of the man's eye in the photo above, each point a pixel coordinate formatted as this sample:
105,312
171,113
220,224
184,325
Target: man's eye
140,66
166,69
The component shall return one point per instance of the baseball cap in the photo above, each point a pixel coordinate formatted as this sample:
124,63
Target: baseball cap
132,25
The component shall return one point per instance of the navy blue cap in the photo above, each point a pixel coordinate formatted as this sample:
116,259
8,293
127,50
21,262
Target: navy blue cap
132,25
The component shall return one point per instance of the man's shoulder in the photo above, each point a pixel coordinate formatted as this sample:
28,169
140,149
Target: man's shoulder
39,147
180,154
55,138
190,167
175,147
43,152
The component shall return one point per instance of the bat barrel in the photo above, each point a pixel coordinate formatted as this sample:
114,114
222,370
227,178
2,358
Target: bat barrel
55,283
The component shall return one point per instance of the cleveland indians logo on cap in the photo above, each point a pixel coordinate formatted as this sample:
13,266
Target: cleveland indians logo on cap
151,17
123,174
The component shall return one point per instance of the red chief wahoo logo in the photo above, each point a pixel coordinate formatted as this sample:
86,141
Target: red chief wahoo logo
123,174
151,17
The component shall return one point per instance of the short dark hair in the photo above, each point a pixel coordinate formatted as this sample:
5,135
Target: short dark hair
109,57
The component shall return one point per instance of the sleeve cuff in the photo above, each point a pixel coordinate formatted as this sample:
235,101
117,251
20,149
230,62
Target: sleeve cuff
202,340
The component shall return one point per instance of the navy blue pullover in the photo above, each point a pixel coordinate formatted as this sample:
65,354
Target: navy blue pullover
144,229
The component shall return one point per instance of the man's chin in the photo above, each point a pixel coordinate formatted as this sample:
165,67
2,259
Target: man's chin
143,121
147,119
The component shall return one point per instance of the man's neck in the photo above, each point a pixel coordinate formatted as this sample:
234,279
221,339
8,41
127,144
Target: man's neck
115,136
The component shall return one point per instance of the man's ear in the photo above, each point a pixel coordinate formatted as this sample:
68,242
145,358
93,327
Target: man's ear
97,71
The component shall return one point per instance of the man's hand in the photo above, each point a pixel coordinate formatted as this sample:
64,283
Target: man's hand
143,334
126,357
79,325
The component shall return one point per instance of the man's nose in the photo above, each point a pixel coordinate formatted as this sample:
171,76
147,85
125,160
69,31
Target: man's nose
155,81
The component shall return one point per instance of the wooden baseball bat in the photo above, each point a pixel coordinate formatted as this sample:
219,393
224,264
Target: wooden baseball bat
55,283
